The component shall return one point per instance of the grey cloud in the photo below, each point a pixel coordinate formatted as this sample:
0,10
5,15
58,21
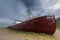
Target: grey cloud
11,10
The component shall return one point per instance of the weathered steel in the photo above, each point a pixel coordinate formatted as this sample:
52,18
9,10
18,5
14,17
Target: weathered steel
44,24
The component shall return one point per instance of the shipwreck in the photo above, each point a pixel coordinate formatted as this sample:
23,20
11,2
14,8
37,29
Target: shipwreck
44,24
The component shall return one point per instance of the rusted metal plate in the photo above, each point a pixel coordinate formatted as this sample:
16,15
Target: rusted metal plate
44,24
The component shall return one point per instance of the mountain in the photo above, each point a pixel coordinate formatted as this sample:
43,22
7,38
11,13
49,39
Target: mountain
58,20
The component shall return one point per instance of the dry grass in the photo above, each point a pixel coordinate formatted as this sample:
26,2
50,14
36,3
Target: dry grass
7,34
58,26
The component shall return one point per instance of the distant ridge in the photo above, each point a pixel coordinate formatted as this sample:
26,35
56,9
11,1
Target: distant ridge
58,20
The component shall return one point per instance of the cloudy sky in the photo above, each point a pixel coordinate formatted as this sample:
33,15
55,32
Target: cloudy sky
11,10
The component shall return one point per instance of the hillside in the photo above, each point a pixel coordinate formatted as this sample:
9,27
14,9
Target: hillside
58,20
7,34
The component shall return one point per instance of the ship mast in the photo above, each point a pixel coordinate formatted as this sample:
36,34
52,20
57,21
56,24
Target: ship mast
30,15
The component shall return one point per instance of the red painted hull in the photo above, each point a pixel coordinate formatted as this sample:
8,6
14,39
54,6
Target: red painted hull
44,24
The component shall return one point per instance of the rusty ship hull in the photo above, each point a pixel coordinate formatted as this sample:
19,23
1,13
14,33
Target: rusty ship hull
44,24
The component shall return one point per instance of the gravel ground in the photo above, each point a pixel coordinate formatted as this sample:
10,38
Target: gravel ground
7,34
57,33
